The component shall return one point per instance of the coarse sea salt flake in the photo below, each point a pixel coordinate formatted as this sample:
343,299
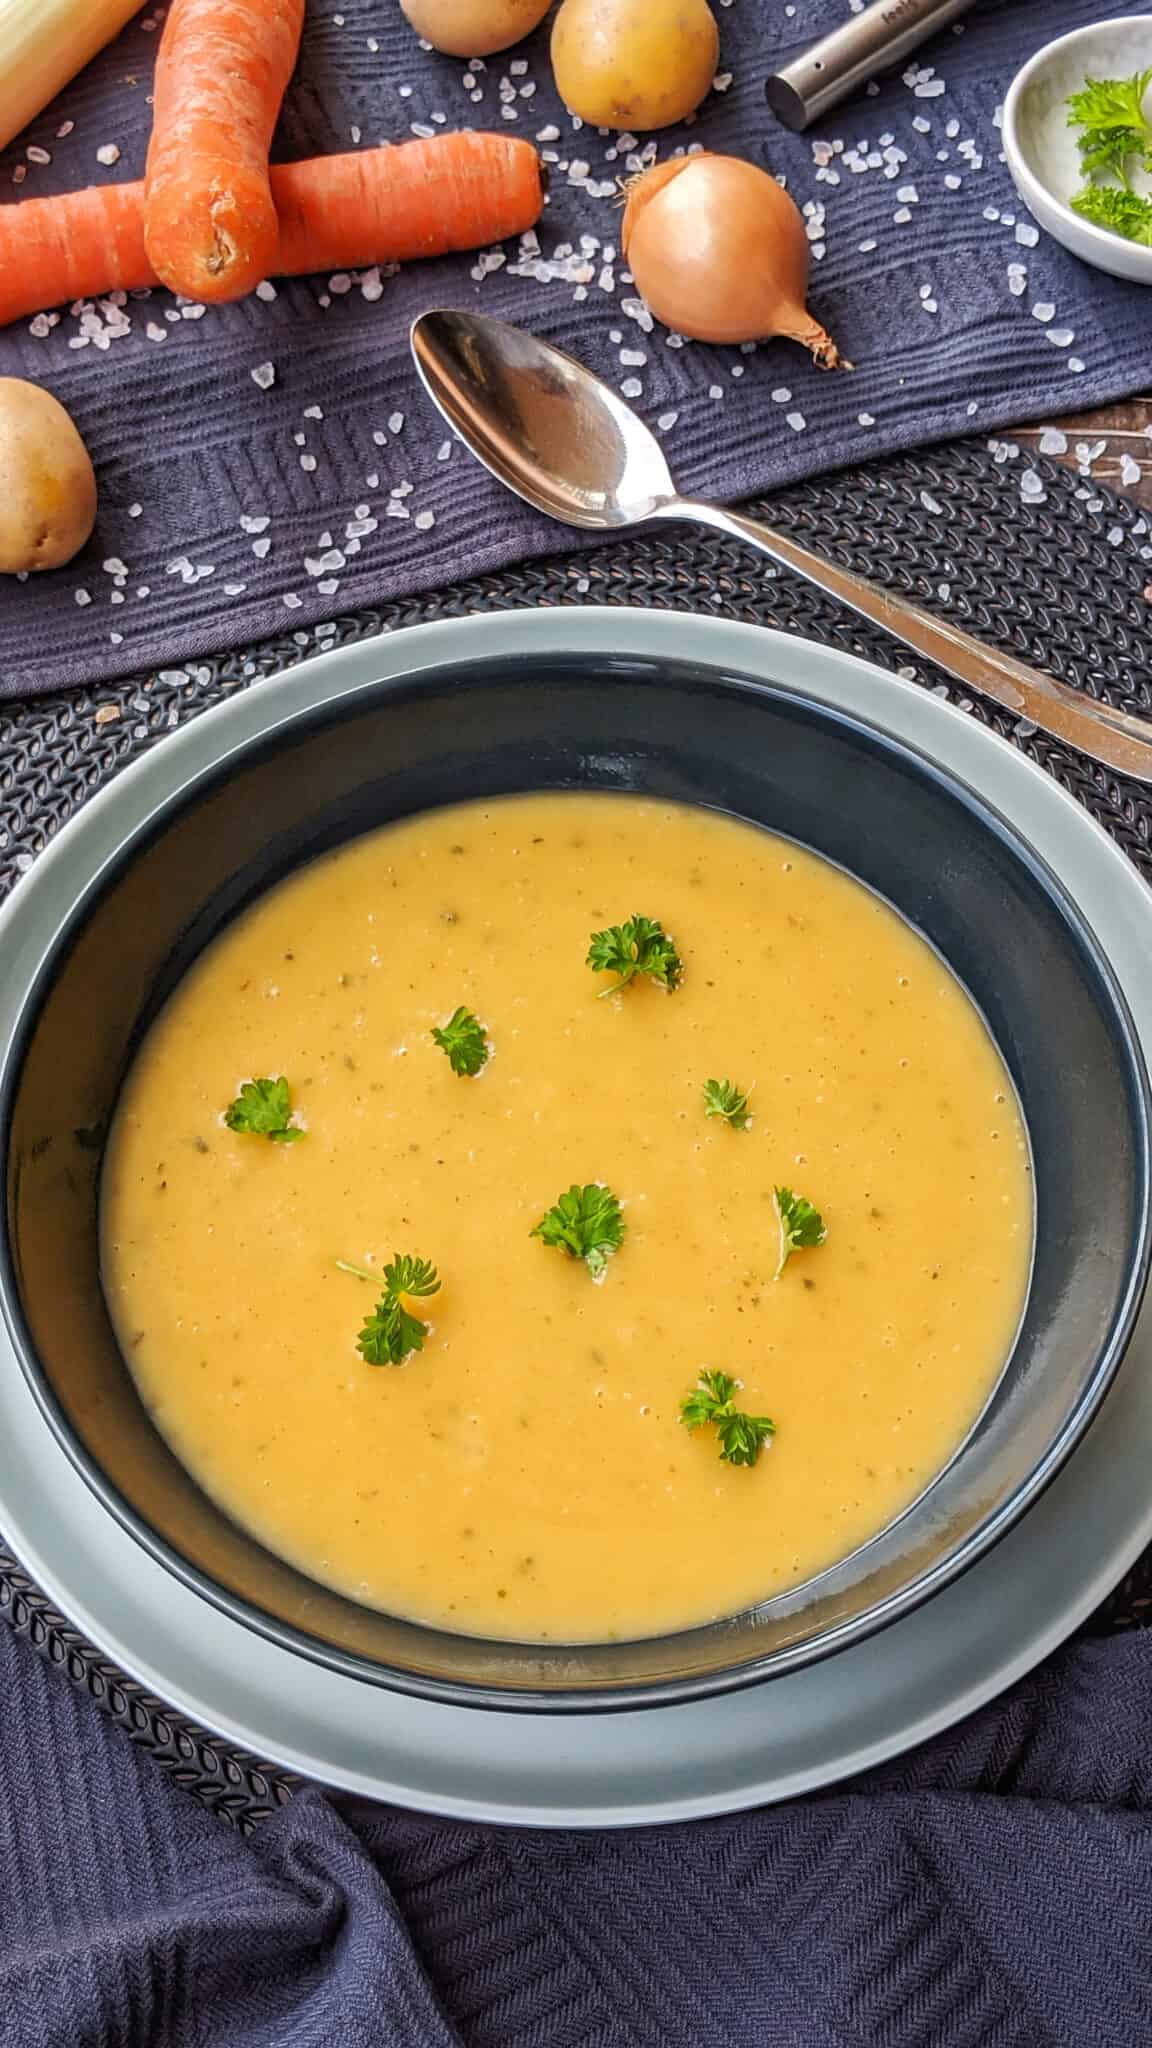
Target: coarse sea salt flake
796,421
1061,337
1026,234
264,375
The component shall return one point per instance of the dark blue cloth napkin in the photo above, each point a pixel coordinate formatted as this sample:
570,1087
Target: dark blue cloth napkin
268,466
992,1890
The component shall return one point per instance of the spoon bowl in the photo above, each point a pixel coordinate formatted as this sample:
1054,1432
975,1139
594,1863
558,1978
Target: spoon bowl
563,440
547,427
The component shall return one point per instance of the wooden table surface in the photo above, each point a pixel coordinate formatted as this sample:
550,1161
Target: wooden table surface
1126,432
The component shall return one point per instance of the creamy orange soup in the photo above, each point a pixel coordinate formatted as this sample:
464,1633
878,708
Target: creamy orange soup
527,1474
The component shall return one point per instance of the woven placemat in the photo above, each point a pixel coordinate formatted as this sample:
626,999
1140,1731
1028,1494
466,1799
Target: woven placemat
1059,571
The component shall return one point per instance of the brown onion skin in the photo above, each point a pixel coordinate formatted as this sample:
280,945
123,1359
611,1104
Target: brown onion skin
719,253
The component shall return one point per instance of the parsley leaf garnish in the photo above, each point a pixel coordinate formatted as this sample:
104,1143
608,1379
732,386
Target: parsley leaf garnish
1110,111
392,1333
586,1223
724,1098
801,1226
742,1437
263,1108
1110,206
641,946
462,1038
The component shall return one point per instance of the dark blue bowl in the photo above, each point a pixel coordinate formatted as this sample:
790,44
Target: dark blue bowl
949,864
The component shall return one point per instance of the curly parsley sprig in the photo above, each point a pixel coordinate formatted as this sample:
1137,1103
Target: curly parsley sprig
263,1109
463,1039
801,1226
1115,140
725,1099
586,1223
639,946
392,1333
742,1436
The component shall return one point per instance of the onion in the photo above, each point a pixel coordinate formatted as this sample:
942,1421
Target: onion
719,252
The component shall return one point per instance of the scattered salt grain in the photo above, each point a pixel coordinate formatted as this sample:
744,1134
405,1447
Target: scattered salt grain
308,463
266,290
313,412
796,421
260,548
667,421
108,153
264,375
395,422
1130,472
866,419
82,597
444,451
1026,234
254,522
1053,441
289,598
134,511
632,387
930,503
424,520
781,395
1061,337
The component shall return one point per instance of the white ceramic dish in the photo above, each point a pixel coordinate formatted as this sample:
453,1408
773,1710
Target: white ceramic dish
1041,148
775,1740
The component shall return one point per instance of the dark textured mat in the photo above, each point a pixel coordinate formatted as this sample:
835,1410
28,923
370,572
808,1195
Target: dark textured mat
1057,573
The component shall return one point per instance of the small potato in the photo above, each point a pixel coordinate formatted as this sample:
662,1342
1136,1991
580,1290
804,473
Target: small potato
474,28
634,64
47,485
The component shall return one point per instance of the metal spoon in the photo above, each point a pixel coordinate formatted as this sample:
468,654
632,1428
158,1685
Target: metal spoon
564,441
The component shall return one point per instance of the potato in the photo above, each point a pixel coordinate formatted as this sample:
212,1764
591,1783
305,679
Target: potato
47,485
474,28
634,63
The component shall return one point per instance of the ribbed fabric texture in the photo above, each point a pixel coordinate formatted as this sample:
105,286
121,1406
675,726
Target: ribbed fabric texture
993,1890
959,316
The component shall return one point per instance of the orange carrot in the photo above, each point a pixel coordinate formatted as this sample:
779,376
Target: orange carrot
424,198
418,199
221,72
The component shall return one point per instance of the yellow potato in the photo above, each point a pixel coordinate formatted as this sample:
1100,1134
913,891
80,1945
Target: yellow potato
474,28
634,63
47,485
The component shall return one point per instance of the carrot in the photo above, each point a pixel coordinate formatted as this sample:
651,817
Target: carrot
424,198
221,73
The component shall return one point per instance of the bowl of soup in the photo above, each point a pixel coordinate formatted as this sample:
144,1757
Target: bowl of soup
563,1179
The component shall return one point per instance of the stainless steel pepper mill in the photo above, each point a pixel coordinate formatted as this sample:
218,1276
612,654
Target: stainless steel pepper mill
846,59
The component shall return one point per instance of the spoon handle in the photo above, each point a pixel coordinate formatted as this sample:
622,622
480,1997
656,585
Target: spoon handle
1115,738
